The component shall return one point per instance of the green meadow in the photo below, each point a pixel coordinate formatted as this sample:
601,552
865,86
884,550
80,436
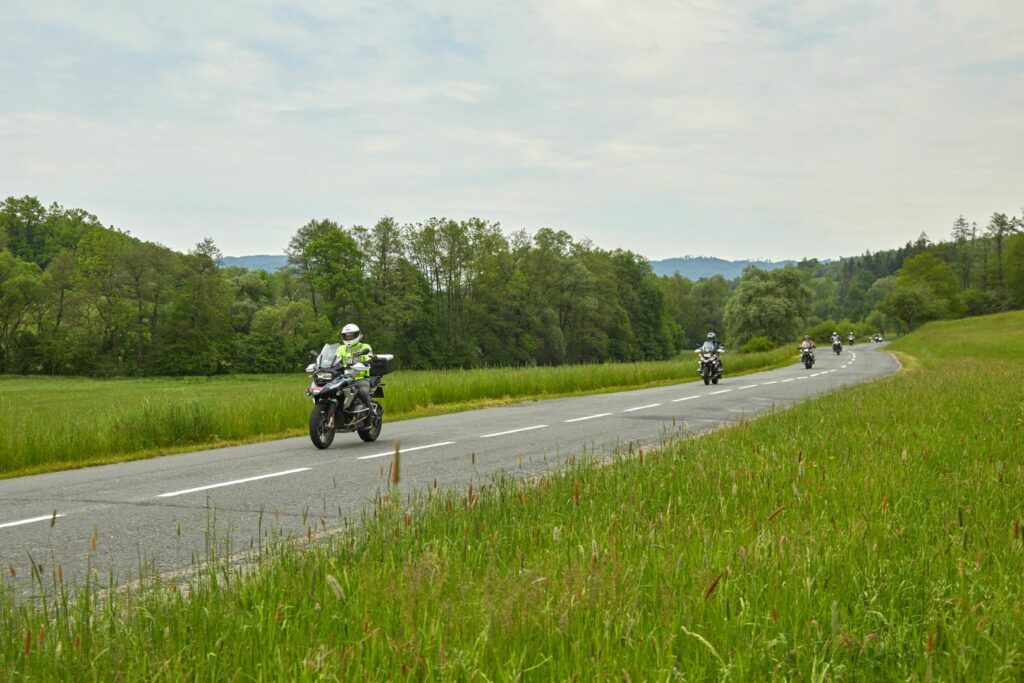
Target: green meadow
52,423
870,534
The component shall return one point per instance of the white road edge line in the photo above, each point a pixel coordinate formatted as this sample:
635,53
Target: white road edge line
29,521
588,417
232,483
404,450
721,391
513,431
651,405
685,398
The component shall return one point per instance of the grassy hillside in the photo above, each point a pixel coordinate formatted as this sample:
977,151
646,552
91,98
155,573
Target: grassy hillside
61,422
871,534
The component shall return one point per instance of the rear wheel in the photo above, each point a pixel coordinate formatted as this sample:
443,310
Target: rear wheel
319,433
373,432
714,380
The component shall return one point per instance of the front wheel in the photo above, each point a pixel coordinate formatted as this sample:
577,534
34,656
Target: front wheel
808,363
319,433
714,380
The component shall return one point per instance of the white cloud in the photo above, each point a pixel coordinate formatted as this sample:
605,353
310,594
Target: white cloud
733,129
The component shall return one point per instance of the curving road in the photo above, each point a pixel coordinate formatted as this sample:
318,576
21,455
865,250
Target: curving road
162,514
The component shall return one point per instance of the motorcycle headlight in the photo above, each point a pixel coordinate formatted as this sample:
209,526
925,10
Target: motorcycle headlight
324,377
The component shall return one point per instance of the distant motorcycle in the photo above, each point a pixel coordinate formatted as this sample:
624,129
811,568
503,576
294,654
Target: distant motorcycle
710,367
336,405
851,339
807,356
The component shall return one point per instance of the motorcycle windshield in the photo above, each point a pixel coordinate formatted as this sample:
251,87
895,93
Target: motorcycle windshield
327,356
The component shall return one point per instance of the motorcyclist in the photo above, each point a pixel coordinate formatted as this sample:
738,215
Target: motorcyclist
835,337
808,343
352,351
850,338
712,345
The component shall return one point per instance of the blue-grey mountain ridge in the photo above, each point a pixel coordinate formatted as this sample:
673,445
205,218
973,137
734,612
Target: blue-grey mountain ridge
690,267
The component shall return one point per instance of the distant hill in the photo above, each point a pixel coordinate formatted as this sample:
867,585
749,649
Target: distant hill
692,267
697,267
268,262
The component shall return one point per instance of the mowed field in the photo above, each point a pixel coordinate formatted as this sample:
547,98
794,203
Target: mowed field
871,534
52,423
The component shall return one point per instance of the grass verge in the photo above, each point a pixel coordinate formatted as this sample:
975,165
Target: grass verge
874,533
51,423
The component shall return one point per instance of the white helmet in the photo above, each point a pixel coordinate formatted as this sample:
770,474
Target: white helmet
350,334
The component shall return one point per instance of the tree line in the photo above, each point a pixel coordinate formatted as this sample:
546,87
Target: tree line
78,297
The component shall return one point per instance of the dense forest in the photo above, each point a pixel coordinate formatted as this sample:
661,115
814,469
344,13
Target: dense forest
77,297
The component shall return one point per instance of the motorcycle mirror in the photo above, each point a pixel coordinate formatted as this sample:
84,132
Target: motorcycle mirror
310,368
314,354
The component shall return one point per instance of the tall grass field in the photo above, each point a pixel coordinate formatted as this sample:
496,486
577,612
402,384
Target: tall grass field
51,423
870,534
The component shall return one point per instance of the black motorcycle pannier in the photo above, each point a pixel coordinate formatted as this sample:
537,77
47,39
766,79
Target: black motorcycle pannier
382,365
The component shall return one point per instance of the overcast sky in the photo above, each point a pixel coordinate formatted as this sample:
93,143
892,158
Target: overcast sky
735,129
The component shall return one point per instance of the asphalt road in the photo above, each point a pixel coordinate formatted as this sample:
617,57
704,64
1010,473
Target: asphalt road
167,513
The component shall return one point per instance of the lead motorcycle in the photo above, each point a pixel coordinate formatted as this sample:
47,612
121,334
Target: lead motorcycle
837,346
336,405
710,367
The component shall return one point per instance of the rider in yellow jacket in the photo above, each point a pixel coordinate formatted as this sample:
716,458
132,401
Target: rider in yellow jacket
352,351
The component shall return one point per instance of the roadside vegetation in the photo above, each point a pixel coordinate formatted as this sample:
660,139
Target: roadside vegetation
870,534
59,423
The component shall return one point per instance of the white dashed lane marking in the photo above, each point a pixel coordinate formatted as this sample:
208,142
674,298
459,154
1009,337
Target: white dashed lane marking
404,450
588,417
722,391
513,431
652,405
233,482
684,398
30,520
749,386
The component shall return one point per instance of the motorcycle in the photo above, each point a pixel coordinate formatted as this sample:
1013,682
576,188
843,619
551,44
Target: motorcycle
837,346
336,404
710,367
806,356
850,340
